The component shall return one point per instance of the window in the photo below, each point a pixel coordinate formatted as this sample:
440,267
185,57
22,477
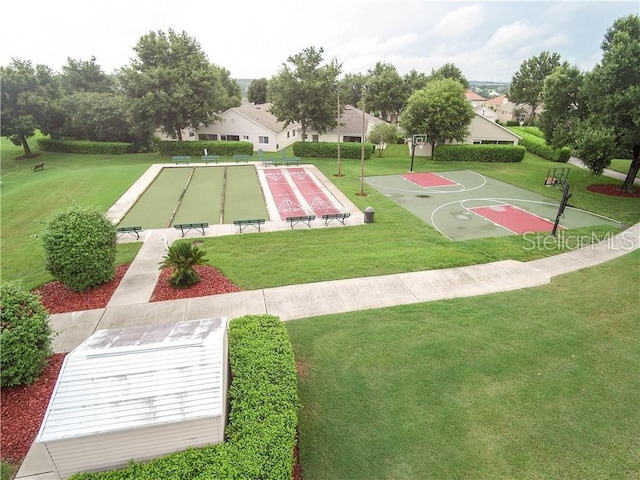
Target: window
207,136
288,134
245,137
314,138
192,133
263,140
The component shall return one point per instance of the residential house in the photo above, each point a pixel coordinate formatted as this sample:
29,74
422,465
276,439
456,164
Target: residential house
351,126
475,99
511,112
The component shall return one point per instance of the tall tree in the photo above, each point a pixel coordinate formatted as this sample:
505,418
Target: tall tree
413,81
172,85
351,88
84,76
449,70
528,82
257,92
232,89
385,90
303,91
28,101
440,110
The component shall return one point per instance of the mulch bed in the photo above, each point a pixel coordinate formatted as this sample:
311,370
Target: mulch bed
613,190
212,282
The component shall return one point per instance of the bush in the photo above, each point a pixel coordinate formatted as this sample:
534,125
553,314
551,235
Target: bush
261,433
195,149
330,150
85,146
80,248
25,335
539,146
181,258
479,153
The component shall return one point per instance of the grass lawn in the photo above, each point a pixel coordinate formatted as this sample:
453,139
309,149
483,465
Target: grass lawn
620,165
539,383
283,258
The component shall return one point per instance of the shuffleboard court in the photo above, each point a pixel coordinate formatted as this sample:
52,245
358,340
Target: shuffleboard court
313,194
202,200
243,197
478,206
285,199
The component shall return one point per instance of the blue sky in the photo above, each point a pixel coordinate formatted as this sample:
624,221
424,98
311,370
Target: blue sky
487,40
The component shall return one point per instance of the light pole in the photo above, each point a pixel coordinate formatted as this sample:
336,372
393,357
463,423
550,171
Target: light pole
364,95
338,129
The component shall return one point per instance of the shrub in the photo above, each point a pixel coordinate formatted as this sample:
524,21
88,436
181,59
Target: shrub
539,146
330,150
85,146
479,153
181,258
262,420
25,335
80,248
195,149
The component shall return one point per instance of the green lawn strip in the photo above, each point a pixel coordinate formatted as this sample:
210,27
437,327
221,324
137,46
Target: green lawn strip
243,196
203,199
537,383
620,165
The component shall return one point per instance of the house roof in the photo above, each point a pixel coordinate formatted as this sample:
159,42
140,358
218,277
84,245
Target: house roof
497,100
351,121
259,114
497,125
136,377
474,97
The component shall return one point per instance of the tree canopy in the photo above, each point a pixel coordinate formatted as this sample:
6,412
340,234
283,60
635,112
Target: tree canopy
172,85
449,70
257,92
385,90
303,91
440,110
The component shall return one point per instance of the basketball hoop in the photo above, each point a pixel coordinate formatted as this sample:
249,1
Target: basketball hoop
420,143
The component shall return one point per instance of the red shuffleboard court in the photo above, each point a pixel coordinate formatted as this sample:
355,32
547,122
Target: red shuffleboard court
514,219
283,195
312,193
428,179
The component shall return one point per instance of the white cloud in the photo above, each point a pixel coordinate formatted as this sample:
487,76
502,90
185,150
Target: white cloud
460,22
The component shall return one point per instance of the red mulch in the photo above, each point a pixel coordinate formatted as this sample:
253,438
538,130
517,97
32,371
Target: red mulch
24,406
212,282
613,190
22,411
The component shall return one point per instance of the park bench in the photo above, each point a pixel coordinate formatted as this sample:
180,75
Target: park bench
185,227
38,166
289,160
241,157
306,219
329,217
130,230
266,161
255,222
210,158
181,159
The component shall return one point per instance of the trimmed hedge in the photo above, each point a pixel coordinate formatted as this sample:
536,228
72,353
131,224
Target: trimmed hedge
539,146
479,153
196,148
85,146
330,150
261,434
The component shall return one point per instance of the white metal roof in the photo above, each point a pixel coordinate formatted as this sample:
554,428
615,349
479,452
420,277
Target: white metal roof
139,376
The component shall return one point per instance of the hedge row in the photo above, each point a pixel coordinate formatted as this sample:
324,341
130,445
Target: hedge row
539,146
330,150
85,146
197,148
479,153
260,436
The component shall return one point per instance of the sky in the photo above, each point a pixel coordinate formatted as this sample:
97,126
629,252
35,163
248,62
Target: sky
486,40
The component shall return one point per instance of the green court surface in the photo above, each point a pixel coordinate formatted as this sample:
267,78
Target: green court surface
212,194
455,202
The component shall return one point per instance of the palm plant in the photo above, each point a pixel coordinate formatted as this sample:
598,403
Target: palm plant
181,258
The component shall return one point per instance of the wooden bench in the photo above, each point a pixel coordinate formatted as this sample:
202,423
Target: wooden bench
38,166
243,157
306,219
329,217
255,222
181,159
210,158
185,227
131,230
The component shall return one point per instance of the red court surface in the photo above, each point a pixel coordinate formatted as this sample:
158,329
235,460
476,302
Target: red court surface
428,179
514,219
286,199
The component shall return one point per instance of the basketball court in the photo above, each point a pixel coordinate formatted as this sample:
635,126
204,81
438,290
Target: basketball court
464,204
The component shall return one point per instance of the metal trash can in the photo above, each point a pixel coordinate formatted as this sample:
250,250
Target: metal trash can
368,215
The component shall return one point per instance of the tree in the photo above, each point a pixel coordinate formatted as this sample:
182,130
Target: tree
232,89
257,92
84,76
27,101
528,82
303,92
351,88
449,70
382,134
385,90
413,81
440,110
172,85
